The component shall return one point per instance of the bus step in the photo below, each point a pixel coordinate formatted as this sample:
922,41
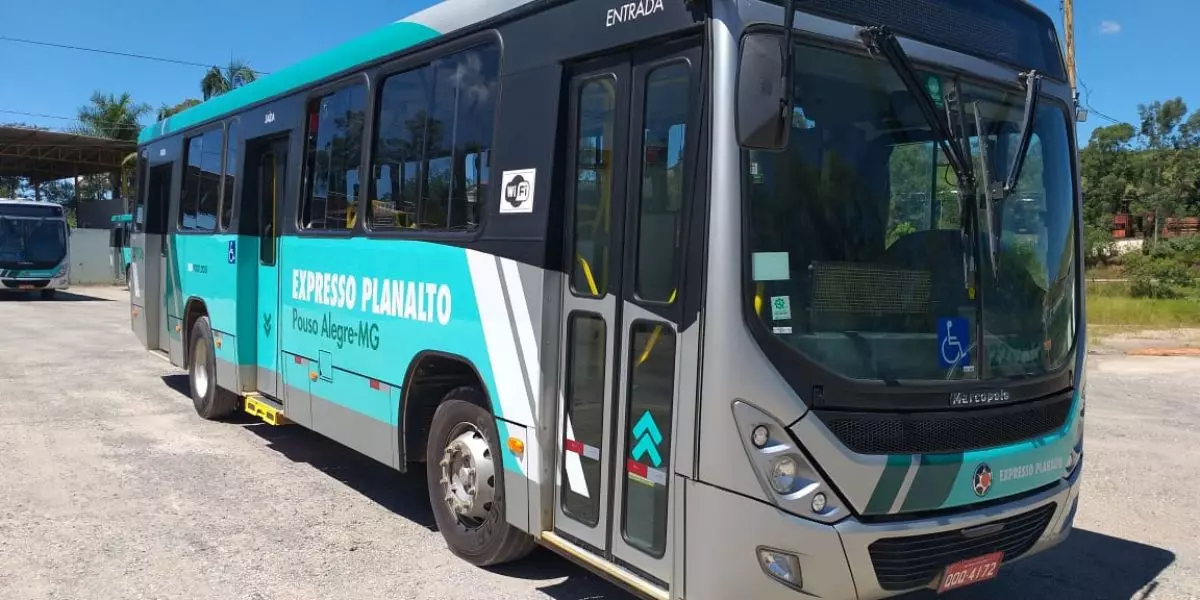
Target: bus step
254,405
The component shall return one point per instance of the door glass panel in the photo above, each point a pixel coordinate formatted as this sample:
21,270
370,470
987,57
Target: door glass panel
593,187
663,175
648,435
266,205
584,414
231,161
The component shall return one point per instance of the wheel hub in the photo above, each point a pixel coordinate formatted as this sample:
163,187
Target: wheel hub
200,367
468,475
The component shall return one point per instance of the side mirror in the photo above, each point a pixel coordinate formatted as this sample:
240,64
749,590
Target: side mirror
762,100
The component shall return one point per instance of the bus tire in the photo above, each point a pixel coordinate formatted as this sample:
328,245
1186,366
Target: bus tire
48,294
211,402
470,511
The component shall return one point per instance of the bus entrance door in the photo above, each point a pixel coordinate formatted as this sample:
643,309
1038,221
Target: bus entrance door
627,184
266,166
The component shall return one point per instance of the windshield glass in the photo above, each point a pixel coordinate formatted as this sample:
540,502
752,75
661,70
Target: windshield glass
859,251
31,243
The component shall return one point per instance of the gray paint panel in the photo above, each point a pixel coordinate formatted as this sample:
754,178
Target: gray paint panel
722,552
516,487
541,504
227,375
354,430
248,376
734,365
687,403
298,405
263,374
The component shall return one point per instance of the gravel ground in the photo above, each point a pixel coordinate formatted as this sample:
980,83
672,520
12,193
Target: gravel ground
113,489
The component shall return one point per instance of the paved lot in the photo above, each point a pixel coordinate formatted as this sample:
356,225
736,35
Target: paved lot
113,489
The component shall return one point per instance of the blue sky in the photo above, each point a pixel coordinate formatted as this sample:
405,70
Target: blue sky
1126,53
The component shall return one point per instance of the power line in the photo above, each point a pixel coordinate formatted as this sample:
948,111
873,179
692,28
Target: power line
74,119
1087,95
115,53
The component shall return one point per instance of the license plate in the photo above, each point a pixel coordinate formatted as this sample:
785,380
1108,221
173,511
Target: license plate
25,286
971,570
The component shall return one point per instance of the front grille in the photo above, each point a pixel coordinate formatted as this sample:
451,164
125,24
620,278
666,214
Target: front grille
16,283
947,431
905,563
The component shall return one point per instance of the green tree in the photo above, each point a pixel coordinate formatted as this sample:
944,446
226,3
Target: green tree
113,117
165,111
217,81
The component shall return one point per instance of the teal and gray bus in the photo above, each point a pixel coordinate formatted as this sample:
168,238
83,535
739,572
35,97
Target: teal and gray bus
35,251
120,237
719,299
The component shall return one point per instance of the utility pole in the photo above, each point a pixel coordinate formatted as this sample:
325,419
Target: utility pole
1068,10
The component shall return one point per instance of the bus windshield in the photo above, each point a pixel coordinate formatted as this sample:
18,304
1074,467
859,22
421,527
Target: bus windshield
31,243
864,259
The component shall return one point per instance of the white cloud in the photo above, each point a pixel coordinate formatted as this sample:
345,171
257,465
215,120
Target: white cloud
1110,27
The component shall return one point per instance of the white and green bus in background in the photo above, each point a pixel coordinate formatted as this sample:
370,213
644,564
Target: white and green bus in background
721,299
35,252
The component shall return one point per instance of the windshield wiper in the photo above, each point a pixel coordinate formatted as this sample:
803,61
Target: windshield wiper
995,195
991,196
1033,88
880,40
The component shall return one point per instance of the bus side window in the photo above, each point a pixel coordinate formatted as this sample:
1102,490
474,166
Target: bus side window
332,153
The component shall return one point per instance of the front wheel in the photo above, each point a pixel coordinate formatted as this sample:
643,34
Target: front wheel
466,483
211,402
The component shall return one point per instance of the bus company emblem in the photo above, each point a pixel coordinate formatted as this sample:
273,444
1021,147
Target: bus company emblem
981,482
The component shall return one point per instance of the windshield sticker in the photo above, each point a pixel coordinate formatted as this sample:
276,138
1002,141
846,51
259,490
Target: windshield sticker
518,191
954,342
771,266
934,86
781,330
781,308
801,120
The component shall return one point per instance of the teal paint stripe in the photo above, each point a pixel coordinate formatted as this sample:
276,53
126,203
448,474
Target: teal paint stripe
933,482
889,484
374,45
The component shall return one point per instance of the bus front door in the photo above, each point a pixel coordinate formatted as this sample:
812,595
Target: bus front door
266,165
629,178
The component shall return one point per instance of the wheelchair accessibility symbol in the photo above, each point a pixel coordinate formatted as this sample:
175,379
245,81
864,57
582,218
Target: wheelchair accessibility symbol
954,341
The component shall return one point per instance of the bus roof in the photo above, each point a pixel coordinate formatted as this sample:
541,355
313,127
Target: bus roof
31,208
442,18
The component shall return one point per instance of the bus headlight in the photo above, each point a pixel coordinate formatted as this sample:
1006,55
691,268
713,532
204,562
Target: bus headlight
782,468
783,474
62,270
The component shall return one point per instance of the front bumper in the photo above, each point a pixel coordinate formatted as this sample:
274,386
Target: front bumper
836,561
33,284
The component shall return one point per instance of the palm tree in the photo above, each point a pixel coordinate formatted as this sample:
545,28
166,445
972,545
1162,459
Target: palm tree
165,111
217,81
114,117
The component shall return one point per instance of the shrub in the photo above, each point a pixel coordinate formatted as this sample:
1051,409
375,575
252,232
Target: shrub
1160,273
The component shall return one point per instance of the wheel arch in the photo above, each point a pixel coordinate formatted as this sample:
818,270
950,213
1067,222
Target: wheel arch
193,309
430,376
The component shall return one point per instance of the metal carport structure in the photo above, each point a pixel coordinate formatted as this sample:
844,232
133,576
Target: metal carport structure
42,156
